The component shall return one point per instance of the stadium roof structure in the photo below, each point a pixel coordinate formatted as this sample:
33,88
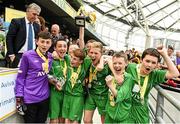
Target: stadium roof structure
152,14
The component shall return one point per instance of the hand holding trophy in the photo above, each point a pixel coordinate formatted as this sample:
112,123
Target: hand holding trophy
59,83
83,16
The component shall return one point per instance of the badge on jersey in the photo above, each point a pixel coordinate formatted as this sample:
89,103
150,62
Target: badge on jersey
136,88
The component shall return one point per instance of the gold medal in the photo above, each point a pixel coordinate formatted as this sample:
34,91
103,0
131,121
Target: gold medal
145,83
111,97
73,78
92,75
45,65
64,69
112,103
74,75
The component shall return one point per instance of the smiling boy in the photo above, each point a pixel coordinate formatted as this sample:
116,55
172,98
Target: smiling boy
73,102
146,77
57,79
118,107
98,90
32,87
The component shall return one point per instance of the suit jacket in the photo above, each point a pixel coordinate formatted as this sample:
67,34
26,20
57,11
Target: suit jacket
16,36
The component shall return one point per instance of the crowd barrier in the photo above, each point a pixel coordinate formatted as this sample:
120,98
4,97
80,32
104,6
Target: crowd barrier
164,108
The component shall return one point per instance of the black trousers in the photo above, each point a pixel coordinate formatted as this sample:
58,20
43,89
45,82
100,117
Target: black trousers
37,112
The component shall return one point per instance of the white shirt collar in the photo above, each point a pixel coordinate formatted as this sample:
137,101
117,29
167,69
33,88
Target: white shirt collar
26,20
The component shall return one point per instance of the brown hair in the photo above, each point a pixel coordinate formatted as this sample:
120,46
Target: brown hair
59,39
79,53
43,22
170,47
121,55
151,52
44,35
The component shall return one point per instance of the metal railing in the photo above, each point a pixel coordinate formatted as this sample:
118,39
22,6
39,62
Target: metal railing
157,113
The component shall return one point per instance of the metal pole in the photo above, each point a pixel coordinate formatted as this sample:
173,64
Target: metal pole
159,110
172,100
144,27
148,41
133,17
148,35
129,32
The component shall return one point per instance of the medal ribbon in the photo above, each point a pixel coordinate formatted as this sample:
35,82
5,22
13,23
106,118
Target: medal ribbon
64,68
45,65
111,96
74,75
144,87
92,75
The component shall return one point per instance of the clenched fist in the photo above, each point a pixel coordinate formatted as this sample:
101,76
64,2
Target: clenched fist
109,80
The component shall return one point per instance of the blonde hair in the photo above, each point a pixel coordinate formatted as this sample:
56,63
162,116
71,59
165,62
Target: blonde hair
91,41
97,45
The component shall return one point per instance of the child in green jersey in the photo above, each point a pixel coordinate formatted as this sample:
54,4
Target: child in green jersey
74,92
98,90
146,76
118,107
57,78
88,46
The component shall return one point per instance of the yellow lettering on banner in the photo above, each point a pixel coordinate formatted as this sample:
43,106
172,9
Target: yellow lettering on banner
12,13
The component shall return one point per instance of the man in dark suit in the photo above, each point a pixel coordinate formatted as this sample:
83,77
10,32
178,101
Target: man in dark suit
21,35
